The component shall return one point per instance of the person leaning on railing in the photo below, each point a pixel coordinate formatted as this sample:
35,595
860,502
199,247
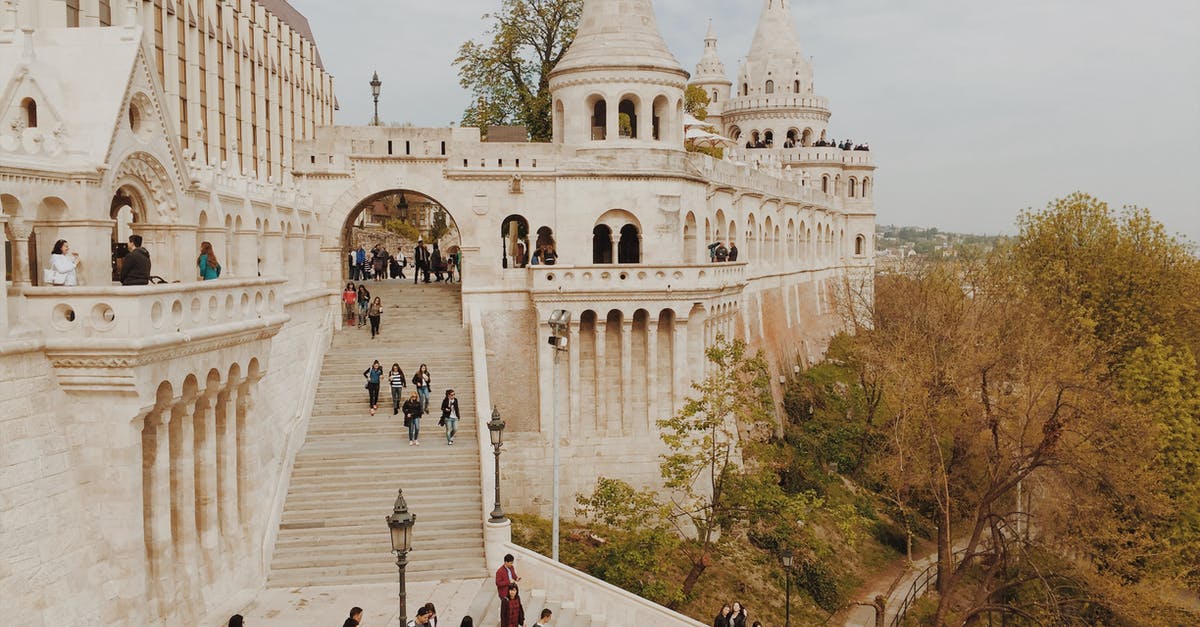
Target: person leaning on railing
135,270
62,265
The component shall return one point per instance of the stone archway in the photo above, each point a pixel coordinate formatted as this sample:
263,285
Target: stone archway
394,221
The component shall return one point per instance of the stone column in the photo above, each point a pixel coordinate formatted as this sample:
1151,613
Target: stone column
227,464
245,499
627,424
296,261
272,252
245,264
183,488
652,391
679,363
206,480
314,260
4,289
170,258
601,374
612,125
573,349
156,508
22,270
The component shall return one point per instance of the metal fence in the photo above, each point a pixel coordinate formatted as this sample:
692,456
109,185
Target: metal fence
920,586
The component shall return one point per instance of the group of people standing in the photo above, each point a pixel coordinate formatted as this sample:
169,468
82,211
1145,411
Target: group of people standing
377,265
718,253
427,262
417,404
357,305
734,615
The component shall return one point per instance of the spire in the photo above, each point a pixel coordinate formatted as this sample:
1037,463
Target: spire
775,36
618,33
710,65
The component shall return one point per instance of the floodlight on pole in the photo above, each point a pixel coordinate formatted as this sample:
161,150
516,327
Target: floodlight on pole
560,322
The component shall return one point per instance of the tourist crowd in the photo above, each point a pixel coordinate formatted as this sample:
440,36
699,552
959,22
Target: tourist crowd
378,264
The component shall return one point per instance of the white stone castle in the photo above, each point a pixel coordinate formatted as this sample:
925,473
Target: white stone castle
152,438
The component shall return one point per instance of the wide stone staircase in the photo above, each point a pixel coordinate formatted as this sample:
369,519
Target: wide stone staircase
345,478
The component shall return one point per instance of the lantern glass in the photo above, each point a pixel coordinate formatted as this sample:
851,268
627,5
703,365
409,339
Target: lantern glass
787,561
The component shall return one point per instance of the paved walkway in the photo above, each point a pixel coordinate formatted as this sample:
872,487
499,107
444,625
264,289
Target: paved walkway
328,606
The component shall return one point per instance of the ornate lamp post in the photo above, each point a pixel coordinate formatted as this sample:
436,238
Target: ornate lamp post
400,523
787,573
375,85
496,432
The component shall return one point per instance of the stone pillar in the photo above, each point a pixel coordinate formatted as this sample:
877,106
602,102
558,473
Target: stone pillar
3,289
313,260
573,349
652,391
244,498
601,374
183,488
628,423
296,261
612,123
227,465
156,508
170,257
272,252
245,264
206,481
22,271
679,363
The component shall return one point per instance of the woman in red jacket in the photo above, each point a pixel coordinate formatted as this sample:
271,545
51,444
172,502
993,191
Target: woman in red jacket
512,614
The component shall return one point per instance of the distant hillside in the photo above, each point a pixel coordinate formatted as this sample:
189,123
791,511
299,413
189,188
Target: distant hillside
904,241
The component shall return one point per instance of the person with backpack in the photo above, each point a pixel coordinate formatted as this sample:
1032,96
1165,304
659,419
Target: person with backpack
373,375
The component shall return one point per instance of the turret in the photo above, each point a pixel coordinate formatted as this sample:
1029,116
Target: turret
618,83
710,74
774,100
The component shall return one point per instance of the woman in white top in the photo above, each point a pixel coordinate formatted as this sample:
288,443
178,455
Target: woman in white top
63,262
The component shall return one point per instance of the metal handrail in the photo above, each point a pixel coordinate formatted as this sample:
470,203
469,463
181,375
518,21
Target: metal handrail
920,586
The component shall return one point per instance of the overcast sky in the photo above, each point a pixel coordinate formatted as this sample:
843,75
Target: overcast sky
974,110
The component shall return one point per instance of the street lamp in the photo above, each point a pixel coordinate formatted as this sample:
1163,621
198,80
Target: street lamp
496,431
400,523
375,85
560,321
787,573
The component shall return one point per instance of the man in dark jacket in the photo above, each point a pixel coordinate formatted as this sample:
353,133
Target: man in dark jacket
732,251
135,270
355,618
421,261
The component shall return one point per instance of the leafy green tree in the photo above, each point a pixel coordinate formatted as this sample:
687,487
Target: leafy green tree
402,228
695,101
440,226
508,74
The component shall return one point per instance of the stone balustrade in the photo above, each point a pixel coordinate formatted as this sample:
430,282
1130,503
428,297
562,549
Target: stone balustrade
134,313
755,103
637,278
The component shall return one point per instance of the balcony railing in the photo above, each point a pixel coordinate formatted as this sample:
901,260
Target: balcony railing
134,314
636,278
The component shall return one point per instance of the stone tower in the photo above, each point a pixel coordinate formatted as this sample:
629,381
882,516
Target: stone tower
618,83
775,97
710,75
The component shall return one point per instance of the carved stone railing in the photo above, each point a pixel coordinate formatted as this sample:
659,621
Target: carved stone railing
90,330
637,278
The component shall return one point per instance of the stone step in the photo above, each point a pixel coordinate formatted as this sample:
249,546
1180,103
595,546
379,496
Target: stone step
344,480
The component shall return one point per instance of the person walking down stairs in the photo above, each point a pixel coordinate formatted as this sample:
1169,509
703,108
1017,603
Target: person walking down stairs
350,302
450,416
397,381
373,375
412,418
373,313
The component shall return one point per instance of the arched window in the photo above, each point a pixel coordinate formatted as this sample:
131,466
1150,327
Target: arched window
796,87
770,87
825,184
599,119
627,119
853,187
29,105
602,244
806,137
768,137
661,112
865,184
714,96
689,238
544,244
860,245
745,89
629,248
514,231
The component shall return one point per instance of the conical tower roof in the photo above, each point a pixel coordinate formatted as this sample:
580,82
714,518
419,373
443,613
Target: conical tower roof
775,37
710,67
618,34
